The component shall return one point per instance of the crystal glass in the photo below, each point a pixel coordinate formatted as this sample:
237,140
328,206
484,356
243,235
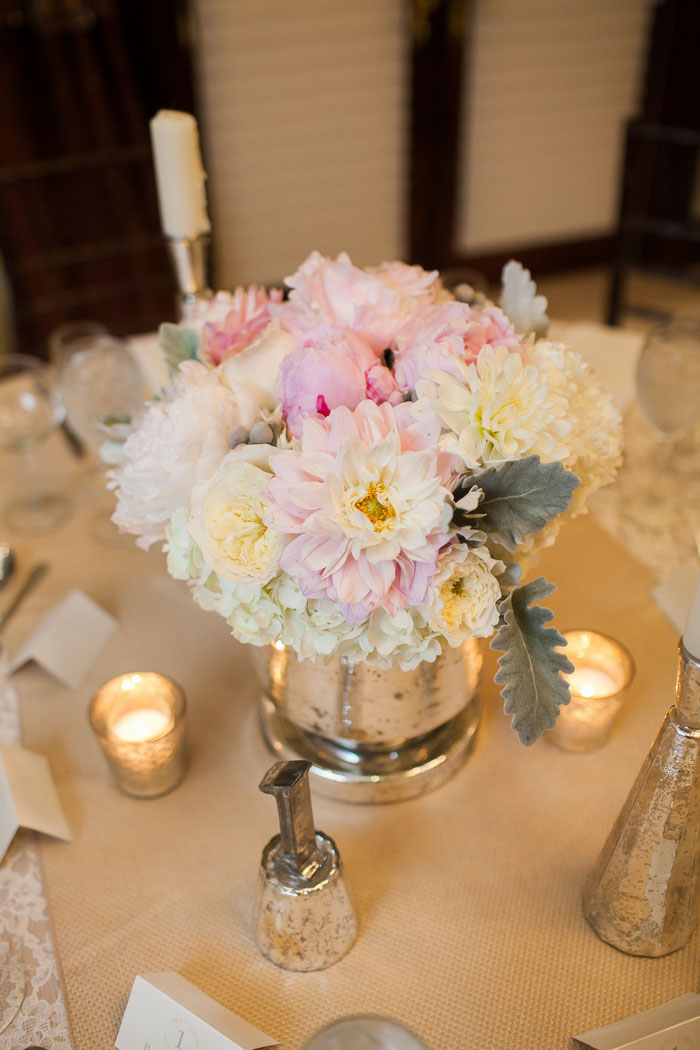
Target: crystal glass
668,378
64,339
30,410
365,1033
139,721
102,388
99,381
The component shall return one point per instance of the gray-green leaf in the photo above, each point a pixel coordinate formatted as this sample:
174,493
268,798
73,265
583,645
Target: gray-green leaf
178,344
529,670
520,497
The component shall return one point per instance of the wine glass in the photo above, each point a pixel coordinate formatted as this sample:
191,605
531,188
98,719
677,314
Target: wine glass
668,378
102,388
365,1033
30,410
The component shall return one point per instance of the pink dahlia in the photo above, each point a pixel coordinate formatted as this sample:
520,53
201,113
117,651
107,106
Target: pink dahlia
336,367
366,500
233,322
437,337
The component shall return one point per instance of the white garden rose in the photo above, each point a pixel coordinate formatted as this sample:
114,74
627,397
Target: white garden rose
464,594
226,519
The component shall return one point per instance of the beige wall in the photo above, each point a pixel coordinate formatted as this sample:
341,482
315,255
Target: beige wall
548,86
304,110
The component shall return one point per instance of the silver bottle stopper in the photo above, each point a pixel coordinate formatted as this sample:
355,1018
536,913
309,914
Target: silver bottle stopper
305,919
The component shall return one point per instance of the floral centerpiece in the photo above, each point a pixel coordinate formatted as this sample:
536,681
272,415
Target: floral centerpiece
358,470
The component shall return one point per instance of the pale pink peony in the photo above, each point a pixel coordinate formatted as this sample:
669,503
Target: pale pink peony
175,442
441,335
373,303
337,367
233,322
366,501
423,287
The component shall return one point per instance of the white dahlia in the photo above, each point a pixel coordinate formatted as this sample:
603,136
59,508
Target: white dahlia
501,408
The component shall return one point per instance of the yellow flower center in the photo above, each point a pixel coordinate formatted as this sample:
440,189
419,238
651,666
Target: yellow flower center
376,507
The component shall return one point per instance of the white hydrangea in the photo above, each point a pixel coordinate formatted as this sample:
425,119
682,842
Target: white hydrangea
403,640
501,408
595,436
175,442
185,561
464,594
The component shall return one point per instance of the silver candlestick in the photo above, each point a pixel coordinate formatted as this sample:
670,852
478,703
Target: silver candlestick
642,895
190,260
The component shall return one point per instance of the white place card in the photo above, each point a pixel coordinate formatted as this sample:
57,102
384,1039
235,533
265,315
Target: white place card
167,1012
28,796
68,639
675,593
672,1026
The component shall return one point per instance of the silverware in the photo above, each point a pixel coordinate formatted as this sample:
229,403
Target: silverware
34,577
7,562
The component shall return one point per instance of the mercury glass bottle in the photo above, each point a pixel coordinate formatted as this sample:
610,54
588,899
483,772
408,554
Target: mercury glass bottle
642,895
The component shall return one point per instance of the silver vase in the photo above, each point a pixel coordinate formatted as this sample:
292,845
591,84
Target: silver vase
371,735
642,895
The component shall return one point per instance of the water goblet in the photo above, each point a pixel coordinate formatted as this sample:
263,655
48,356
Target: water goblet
102,388
30,410
668,378
365,1033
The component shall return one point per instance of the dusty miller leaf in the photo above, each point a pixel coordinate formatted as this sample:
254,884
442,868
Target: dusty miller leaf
529,670
520,497
178,344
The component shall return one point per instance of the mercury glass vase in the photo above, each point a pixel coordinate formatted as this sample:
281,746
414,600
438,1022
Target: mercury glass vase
372,735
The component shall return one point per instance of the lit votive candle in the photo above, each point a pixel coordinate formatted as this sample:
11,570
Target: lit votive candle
139,721
603,671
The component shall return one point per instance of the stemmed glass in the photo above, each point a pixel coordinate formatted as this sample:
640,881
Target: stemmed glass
30,410
102,388
668,382
365,1033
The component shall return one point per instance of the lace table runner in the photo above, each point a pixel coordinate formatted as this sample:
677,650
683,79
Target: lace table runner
24,924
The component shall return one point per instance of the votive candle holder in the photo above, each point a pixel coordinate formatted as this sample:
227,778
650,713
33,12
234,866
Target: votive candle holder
139,721
603,672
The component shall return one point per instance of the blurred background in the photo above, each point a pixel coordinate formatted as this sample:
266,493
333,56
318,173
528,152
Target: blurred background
452,133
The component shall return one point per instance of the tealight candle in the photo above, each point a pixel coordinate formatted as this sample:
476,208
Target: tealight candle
603,670
139,722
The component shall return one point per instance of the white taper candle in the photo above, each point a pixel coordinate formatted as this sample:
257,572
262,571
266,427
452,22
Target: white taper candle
691,635
180,174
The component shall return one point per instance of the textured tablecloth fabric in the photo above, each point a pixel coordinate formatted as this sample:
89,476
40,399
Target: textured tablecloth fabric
469,898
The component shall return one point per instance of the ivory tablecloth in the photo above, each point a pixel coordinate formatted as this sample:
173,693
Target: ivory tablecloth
469,898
